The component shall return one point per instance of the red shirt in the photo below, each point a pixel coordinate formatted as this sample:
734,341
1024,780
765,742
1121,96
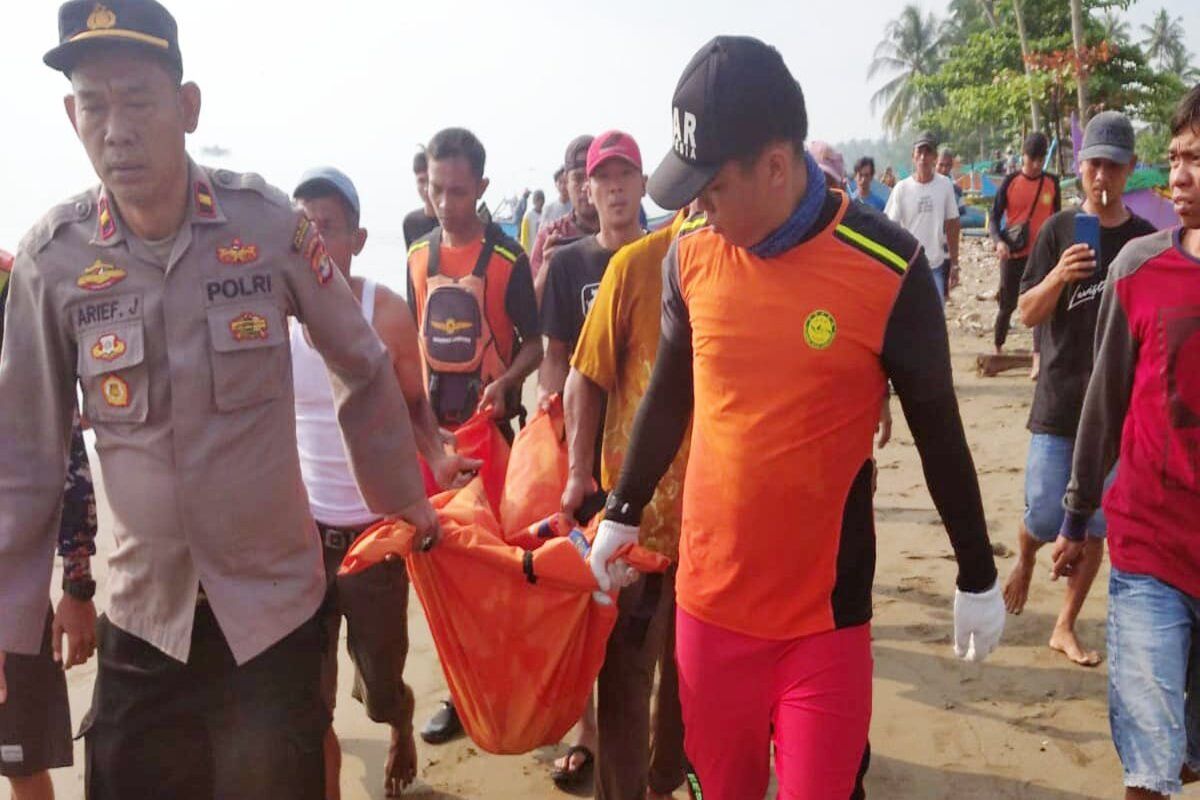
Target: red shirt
1145,394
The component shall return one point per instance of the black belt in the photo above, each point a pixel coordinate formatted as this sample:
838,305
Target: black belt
340,538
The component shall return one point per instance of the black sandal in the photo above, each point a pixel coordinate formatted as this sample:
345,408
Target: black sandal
566,778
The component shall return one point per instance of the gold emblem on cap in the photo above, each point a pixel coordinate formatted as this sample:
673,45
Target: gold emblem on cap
101,18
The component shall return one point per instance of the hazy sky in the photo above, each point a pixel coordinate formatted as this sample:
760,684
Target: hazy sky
358,83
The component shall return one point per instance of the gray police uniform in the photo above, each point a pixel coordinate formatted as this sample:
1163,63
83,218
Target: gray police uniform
182,351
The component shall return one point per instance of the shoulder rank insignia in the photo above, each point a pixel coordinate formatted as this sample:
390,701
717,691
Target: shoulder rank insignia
205,205
100,276
108,225
238,253
301,232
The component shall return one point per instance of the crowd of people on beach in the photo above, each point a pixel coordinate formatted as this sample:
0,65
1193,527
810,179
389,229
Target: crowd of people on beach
725,380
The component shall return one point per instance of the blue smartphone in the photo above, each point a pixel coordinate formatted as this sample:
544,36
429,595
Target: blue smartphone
1087,231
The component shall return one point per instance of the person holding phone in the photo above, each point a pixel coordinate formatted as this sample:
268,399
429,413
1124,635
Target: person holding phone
1060,290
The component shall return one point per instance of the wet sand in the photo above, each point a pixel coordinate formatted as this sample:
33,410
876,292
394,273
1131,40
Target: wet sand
1027,724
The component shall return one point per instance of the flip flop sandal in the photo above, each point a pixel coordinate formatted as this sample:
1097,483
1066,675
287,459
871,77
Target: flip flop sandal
566,778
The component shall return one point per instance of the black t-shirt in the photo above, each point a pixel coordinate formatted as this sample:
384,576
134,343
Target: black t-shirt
571,285
416,225
1067,336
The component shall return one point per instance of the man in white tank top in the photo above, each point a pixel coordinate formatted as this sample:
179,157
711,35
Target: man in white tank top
378,642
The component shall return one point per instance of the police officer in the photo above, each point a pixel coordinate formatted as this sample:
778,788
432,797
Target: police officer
165,291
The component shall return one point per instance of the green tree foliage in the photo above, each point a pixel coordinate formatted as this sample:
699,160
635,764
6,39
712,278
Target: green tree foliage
911,49
978,96
1164,42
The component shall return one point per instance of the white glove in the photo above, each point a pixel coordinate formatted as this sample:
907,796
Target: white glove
611,538
978,622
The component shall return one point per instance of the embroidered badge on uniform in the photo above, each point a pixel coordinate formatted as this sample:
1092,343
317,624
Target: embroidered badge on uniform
116,391
108,225
301,232
205,205
100,275
238,253
321,263
12,754
820,328
109,347
248,327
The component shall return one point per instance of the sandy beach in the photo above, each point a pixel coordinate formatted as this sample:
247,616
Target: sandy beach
1026,724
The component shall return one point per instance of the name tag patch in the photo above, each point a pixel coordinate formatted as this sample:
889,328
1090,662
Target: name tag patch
106,312
12,754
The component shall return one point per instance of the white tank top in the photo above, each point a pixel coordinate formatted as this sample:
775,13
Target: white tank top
333,495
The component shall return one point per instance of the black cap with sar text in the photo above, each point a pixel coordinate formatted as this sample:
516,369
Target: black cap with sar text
86,26
735,96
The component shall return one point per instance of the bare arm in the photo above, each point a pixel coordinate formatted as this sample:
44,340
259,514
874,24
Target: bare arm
396,328
953,231
582,401
393,322
552,377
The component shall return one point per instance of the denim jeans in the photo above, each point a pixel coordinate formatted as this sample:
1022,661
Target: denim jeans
1153,680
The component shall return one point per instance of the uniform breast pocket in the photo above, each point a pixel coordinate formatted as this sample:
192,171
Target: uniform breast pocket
112,368
249,354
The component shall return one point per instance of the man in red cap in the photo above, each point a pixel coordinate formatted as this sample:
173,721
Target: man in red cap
614,188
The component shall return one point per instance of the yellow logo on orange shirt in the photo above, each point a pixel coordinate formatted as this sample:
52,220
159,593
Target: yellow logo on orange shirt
101,18
1047,198
248,327
820,329
108,347
116,391
452,326
100,276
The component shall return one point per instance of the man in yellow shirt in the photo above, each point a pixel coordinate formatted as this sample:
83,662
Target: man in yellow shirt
615,356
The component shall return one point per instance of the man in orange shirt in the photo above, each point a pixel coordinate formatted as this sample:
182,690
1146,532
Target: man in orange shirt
472,296
784,316
1024,201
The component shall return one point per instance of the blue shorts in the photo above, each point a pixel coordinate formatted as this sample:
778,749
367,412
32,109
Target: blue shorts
1047,473
1153,680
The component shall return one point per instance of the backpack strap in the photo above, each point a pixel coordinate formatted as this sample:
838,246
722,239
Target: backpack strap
485,252
435,252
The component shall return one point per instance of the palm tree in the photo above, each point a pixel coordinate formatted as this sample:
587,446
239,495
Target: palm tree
1180,63
1034,111
911,47
1116,30
1164,39
1081,75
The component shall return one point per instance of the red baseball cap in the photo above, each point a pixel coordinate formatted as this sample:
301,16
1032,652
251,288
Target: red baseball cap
613,144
